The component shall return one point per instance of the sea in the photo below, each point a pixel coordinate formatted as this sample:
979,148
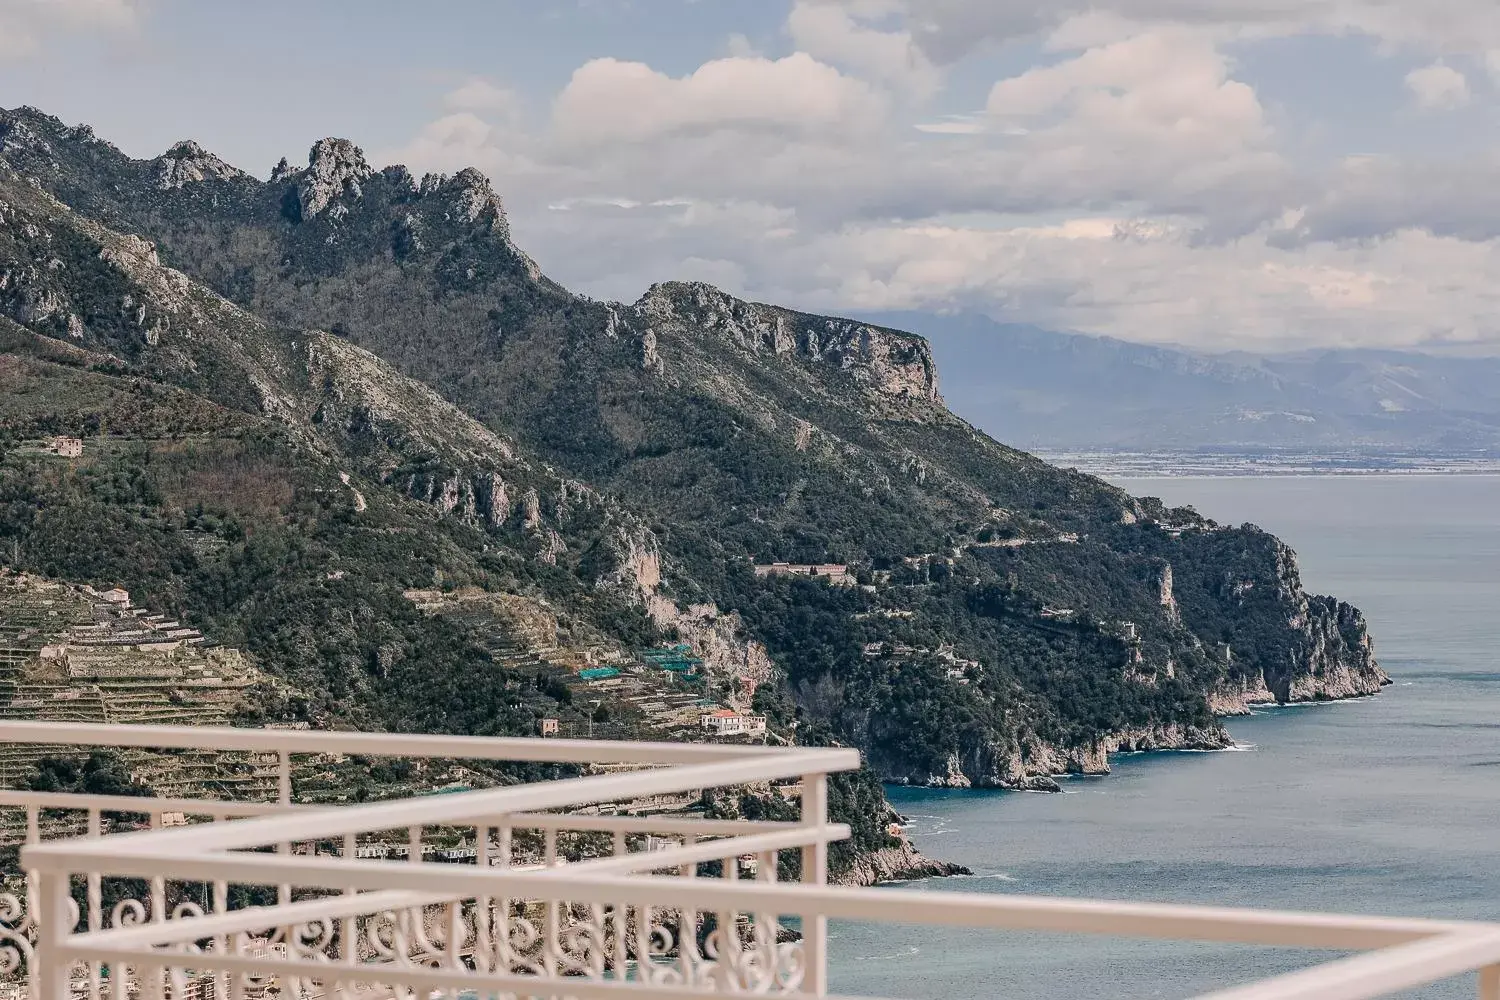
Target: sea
1382,805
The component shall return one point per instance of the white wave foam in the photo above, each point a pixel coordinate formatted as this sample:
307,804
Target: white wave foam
997,876
908,953
1236,748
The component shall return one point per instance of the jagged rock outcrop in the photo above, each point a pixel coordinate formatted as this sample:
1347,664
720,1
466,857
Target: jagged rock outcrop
472,198
1331,654
335,168
896,864
1166,598
886,362
719,639
1339,661
17,135
1239,695
189,163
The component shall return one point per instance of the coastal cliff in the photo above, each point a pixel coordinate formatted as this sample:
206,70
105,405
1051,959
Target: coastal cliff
395,398
895,864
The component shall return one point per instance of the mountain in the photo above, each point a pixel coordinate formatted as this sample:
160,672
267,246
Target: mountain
377,406
1055,391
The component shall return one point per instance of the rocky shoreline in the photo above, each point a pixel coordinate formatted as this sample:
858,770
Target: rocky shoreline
897,864
1035,765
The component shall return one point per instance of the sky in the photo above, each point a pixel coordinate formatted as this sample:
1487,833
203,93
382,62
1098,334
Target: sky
1221,174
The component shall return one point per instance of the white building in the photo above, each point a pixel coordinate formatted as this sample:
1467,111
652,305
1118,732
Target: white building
67,447
726,722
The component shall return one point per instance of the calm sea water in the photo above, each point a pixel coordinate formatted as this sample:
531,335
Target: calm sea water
1382,805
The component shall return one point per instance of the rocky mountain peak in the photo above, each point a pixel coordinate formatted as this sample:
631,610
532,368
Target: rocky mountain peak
888,362
29,129
189,163
16,133
335,168
469,197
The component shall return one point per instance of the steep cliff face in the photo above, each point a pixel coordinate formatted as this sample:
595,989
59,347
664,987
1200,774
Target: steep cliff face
896,864
1338,659
1322,651
886,362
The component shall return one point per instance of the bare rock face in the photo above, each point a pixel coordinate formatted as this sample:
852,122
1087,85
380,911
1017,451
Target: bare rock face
901,863
189,163
467,198
1333,655
335,168
16,134
887,362
473,200
1238,697
1032,764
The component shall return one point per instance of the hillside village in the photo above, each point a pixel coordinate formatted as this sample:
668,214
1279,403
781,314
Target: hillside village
75,653
665,693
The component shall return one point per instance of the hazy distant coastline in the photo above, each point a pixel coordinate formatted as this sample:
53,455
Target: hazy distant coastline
1111,464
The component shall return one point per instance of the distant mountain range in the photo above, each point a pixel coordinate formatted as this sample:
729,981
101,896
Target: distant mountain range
1050,391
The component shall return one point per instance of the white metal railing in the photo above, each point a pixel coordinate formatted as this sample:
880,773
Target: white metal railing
557,901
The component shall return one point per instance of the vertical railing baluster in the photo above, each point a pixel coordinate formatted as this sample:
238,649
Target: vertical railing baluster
94,902
729,930
622,914
33,887
550,944
348,935
158,882
284,799
455,941
221,942
815,872
687,924
1489,983
413,915
767,925
504,962
50,980
483,941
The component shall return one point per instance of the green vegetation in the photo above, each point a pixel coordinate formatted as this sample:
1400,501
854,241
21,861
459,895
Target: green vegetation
468,422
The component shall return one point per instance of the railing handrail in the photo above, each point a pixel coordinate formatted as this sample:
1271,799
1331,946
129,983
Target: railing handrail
472,806
614,867
1400,952
1379,973
593,882
434,978
142,804
497,748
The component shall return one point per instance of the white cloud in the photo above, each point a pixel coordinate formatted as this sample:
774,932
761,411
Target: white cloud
1438,86
1154,116
740,46
608,100
834,33
478,94
1092,275
947,30
24,24
958,125
1130,184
